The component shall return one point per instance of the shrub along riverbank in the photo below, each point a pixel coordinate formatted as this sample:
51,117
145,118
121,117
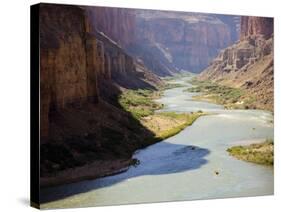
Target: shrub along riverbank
261,153
141,104
167,124
231,98
234,98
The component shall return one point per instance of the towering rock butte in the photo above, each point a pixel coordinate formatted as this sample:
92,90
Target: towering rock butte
248,64
79,64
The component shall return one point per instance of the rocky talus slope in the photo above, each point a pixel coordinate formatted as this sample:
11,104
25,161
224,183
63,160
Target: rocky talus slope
248,64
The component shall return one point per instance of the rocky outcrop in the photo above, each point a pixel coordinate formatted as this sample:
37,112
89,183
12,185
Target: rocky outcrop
180,40
256,26
248,64
77,61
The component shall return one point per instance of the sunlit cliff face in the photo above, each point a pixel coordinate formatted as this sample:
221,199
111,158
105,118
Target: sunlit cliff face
167,41
187,40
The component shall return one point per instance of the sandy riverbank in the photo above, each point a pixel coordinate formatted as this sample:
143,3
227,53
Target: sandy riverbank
90,171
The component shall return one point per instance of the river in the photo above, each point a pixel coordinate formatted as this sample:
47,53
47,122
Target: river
191,165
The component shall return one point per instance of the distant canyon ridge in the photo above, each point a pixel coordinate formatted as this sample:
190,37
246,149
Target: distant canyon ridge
165,41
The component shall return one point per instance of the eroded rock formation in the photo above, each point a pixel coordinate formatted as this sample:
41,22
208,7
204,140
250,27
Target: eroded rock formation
248,63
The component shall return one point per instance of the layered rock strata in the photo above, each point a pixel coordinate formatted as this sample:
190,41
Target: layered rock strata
248,64
181,41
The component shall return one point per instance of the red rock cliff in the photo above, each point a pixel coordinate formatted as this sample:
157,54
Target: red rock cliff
76,60
67,74
248,64
256,26
116,23
188,41
165,41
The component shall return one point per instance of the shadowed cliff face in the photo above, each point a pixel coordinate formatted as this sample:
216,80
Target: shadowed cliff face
63,61
82,74
248,63
79,64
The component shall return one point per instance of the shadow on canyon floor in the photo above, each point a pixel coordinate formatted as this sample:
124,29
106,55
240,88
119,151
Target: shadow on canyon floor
87,131
105,131
173,158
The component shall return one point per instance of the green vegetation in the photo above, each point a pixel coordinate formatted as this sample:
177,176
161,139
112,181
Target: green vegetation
261,153
187,120
220,94
139,102
178,75
171,85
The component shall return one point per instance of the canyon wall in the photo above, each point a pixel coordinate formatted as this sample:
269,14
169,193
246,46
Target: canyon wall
179,40
116,23
77,61
256,26
164,41
63,60
248,64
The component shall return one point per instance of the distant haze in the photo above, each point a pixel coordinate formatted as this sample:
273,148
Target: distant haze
166,41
